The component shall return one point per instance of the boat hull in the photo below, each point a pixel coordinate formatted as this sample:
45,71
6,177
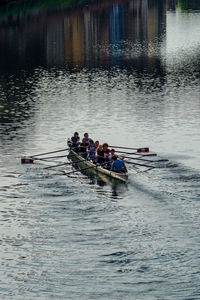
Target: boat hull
94,170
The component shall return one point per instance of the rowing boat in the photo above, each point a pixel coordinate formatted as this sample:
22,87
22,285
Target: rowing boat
89,168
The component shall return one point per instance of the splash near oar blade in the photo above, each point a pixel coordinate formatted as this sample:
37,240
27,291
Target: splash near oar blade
27,160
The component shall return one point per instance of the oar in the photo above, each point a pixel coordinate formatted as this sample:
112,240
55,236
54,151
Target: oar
142,165
142,159
145,149
30,159
63,164
41,154
50,157
136,153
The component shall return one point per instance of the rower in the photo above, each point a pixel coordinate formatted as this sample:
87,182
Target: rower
106,154
87,138
83,148
96,144
100,155
110,158
75,141
106,150
118,165
91,151
112,153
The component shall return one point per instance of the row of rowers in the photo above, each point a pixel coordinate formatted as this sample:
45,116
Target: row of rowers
100,154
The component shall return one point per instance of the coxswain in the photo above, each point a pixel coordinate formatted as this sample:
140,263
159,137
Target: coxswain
118,165
91,151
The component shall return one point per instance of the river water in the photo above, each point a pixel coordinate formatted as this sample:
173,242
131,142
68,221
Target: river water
127,72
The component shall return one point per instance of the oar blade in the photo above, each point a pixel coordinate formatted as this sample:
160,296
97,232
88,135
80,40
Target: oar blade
27,160
141,150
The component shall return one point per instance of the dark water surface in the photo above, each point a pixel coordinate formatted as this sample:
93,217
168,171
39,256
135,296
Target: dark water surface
128,73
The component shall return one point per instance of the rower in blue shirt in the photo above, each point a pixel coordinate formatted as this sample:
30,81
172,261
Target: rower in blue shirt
91,150
118,165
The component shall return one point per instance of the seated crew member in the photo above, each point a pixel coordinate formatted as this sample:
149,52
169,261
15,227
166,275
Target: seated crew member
83,148
100,155
106,150
112,153
118,165
96,144
86,136
110,158
106,154
91,150
75,141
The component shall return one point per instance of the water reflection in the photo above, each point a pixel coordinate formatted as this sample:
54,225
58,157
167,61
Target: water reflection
129,47
188,5
102,34
127,34
184,5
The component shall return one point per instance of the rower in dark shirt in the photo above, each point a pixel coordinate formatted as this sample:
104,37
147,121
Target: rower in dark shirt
100,155
106,150
87,138
83,148
96,144
75,141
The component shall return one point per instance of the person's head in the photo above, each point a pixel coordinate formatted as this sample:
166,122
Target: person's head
105,146
100,147
86,135
112,151
76,134
96,144
91,142
83,140
114,157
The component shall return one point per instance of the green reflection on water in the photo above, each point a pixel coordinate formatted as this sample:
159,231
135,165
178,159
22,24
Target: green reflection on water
186,5
20,6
